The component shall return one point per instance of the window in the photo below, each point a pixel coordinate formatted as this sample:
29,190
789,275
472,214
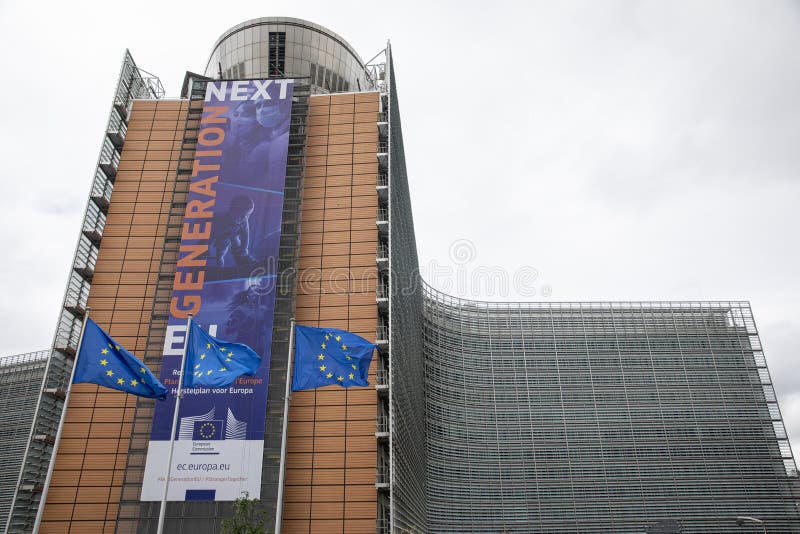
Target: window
277,53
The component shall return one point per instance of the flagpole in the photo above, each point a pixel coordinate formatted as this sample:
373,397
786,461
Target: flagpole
284,436
162,512
40,512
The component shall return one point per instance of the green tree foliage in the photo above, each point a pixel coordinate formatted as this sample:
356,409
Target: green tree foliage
247,518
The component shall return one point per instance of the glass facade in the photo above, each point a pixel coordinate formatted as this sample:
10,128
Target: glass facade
405,352
601,417
20,383
287,47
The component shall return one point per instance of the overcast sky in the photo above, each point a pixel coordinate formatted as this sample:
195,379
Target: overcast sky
595,150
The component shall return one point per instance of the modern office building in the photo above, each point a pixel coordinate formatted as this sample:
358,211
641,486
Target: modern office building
572,417
602,417
20,383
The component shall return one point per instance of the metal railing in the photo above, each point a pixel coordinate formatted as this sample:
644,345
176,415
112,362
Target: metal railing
382,424
109,159
95,221
382,291
116,133
382,333
102,188
77,294
376,71
383,215
68,332
382,475
382,377
85,256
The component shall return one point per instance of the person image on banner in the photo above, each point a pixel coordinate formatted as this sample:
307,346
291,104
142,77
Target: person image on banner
231,234
254,129
245,320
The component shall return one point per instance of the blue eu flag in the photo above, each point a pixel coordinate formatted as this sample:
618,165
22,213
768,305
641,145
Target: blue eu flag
105,362
325,356
216,363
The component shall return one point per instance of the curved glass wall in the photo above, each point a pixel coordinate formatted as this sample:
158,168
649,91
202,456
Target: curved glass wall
288,47
601,417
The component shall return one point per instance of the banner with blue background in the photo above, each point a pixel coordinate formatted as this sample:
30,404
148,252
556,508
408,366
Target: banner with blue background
225,277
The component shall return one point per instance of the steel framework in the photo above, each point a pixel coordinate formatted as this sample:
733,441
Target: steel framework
601,417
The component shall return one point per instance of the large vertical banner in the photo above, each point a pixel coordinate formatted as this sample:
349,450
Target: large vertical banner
225,277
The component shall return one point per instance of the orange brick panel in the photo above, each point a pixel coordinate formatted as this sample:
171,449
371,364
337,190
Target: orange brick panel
292,526
326,510
359,526
294,445
298,476
344,98
340,109
297,493
371,106
328,493
342,137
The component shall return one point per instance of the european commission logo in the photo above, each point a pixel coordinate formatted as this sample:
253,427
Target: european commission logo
206,427
208,430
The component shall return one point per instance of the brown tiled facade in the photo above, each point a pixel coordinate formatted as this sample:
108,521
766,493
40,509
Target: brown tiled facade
332,449
90,466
